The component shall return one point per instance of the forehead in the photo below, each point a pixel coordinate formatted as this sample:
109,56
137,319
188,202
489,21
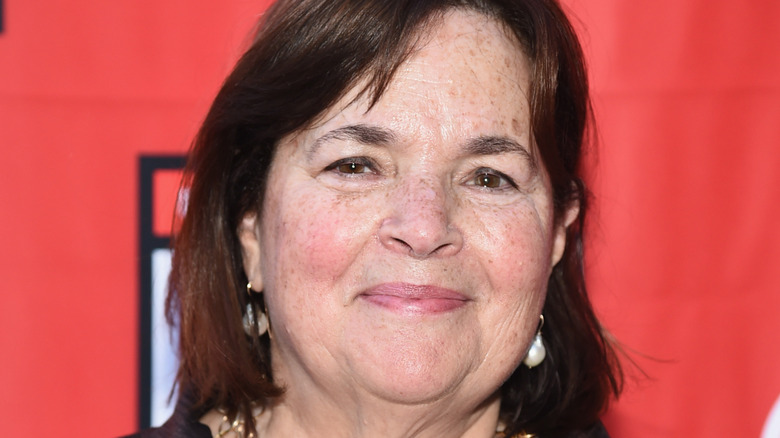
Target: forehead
469,43
467,73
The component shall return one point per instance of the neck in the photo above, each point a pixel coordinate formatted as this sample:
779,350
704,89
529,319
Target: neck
305,415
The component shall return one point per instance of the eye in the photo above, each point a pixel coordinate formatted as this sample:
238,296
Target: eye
489,180
351,166
492,179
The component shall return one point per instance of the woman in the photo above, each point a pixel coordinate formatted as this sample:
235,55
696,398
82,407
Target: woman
384,229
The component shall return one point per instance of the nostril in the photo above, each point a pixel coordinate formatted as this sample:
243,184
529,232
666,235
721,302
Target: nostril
415,252
401,242
402,245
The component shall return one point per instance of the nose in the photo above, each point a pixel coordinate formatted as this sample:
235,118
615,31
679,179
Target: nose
419,221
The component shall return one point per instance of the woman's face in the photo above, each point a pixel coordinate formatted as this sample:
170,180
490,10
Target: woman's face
404,251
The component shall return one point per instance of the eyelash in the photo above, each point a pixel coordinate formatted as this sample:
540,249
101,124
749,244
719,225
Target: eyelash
354,162
488,172
363,165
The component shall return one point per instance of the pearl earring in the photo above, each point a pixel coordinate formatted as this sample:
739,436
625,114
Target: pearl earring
536,352
252,325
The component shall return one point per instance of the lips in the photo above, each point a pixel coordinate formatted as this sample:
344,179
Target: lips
412,298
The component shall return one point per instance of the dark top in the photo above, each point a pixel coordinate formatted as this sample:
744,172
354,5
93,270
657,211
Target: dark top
184,424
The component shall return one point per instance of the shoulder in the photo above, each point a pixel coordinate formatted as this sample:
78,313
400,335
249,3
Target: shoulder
175,428
184,423
597,431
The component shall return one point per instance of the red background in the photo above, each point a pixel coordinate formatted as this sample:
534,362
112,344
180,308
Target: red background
684,246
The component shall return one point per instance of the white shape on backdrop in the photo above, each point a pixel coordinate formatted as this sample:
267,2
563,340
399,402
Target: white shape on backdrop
164,360
772,425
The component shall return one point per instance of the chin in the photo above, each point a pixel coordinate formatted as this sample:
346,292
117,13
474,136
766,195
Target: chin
413,367
412,390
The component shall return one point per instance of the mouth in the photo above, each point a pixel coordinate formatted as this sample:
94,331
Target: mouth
414,299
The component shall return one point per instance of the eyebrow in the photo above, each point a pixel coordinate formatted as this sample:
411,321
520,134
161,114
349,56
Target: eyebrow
364,134
377,136
493,145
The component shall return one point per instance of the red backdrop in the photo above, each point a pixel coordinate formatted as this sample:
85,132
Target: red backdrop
684,246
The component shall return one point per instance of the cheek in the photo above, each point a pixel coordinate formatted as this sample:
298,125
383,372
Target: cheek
315,238
517,249
516,259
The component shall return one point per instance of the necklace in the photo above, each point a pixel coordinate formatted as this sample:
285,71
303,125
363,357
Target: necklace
236,429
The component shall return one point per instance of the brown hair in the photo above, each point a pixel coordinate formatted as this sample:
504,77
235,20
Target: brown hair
305,57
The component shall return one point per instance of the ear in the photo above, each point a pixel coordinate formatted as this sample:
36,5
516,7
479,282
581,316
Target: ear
249,235
561,226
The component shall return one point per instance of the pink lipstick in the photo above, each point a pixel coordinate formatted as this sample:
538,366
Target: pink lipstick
412,298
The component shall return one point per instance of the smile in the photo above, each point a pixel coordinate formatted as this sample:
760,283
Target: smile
416,299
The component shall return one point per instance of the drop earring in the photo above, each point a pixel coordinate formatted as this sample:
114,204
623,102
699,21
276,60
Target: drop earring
252,325
536,352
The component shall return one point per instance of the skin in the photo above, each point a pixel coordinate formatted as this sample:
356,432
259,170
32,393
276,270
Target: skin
438,186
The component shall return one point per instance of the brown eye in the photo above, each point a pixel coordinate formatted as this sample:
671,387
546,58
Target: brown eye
351,167
489,180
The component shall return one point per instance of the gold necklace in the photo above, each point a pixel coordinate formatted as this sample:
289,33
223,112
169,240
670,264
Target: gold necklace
501,434
237,428
519,435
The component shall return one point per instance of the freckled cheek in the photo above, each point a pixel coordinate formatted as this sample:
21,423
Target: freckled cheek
518,253
321,238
